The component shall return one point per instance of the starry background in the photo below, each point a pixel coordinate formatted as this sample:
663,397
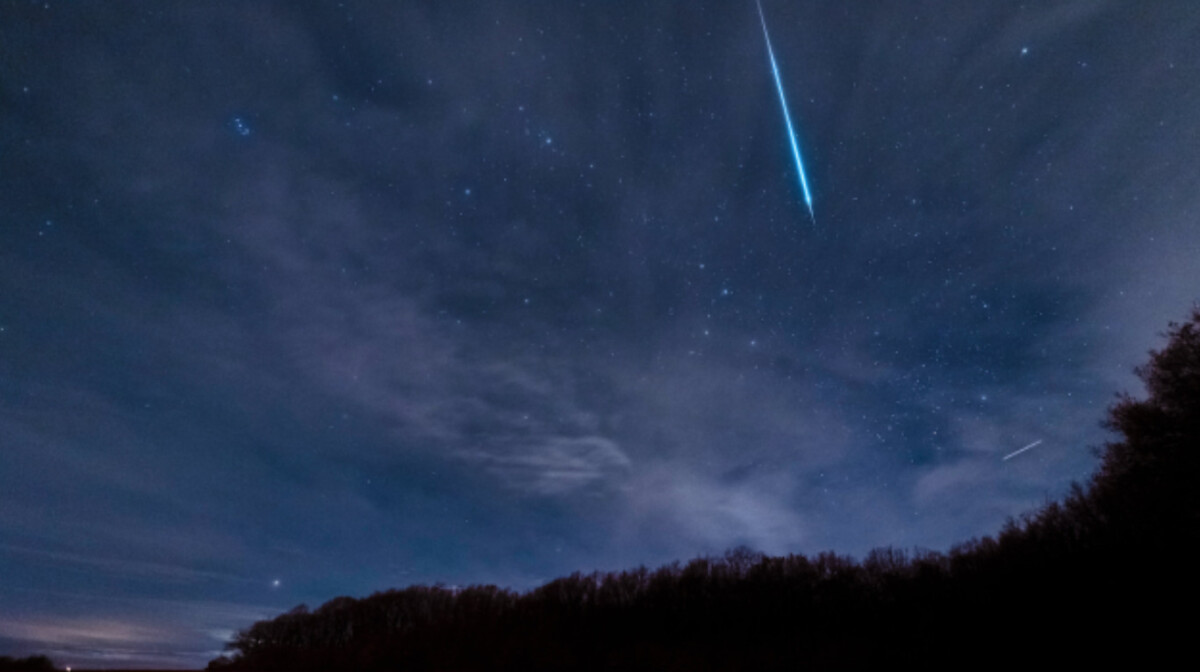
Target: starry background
300,300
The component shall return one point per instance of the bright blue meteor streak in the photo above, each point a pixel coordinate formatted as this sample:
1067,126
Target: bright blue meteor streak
787,117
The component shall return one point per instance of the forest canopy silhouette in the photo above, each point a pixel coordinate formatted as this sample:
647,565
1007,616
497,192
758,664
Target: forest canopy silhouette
1106,571
29,664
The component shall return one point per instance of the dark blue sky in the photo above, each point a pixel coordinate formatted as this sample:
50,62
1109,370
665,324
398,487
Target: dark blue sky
310,299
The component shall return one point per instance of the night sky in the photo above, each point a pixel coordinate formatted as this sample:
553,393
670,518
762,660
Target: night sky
300,300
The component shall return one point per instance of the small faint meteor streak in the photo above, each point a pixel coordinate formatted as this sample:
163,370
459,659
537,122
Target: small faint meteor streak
1018,452
787,117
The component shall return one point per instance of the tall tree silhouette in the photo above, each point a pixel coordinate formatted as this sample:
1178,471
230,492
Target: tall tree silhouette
1148,480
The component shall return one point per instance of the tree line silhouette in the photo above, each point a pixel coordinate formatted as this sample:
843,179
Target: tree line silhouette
30,664
1105,573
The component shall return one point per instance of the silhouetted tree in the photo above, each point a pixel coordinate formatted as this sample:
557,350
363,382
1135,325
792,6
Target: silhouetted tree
1147,480
30,664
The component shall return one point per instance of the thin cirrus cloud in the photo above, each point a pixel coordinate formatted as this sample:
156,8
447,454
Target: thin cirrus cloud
139,569
84,632
556,465
141,632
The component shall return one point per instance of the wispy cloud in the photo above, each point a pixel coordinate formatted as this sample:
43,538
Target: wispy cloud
125,567
694,511
132,631
85,632
557,465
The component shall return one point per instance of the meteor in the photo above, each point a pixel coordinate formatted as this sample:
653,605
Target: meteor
787,117
1018,452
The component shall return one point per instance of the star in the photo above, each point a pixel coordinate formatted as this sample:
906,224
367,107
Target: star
240,126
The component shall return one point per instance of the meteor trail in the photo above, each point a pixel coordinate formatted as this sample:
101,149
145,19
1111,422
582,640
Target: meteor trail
787,117
1018,452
